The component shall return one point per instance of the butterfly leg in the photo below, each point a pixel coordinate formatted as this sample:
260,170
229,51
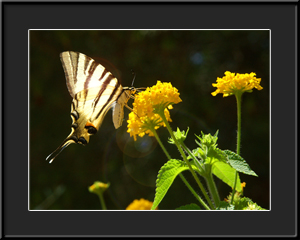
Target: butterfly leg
128,107
131,110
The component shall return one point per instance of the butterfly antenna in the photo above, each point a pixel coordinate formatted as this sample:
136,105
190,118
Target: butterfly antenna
134,75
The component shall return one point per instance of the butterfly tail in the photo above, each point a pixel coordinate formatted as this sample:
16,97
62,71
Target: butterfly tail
56,152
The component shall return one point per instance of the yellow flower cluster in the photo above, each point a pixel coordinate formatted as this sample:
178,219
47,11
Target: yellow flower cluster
232,83
141,204
147,106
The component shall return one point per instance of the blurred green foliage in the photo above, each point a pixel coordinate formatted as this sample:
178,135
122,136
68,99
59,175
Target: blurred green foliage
191,60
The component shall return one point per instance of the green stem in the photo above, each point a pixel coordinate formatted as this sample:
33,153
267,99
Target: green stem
209,179
213,189
238,145
160,143
210,182
162,115
102,201
193,191
192,155
239,120
180,175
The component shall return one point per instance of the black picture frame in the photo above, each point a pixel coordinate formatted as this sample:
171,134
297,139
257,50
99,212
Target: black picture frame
281,18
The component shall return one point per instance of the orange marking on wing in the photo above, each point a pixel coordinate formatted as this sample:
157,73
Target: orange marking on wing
89,124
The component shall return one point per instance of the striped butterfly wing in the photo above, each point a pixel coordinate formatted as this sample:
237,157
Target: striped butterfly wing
83,72
94,90
118,110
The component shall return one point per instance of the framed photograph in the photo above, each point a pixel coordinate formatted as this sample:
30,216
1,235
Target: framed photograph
174,109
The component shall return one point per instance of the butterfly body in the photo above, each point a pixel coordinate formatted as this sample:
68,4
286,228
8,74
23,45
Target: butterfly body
95,91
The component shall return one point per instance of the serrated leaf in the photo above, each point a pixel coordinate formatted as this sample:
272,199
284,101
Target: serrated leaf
227,174
238,163
165,178
191,206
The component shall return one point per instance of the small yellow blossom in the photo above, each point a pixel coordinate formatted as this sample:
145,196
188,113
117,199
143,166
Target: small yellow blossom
141,204
146,108
232,83
243,185
98,187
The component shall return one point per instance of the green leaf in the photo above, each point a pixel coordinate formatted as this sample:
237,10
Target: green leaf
246,204
165,178
191,206
238,163
225,206
227,174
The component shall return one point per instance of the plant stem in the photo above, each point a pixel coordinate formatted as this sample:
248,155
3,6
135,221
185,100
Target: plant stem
195,160
239,120
102,201
180,175
238,96
213,189
209,179
160,143
193,191
162,115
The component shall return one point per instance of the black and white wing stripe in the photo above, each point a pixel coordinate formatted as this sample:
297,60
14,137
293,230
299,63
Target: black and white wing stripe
82,72
94,90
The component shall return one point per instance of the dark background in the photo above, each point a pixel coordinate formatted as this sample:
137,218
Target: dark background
191,60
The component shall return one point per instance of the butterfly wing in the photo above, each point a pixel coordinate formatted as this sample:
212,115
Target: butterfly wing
83,72
118,109
118,115
91,105
94,90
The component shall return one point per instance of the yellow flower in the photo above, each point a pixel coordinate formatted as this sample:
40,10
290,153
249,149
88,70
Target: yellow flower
141,204
148,105
243,185
98,187
231,83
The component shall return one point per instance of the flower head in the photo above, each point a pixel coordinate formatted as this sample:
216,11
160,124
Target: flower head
98,187
147,107
179,135
141,204
232,83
